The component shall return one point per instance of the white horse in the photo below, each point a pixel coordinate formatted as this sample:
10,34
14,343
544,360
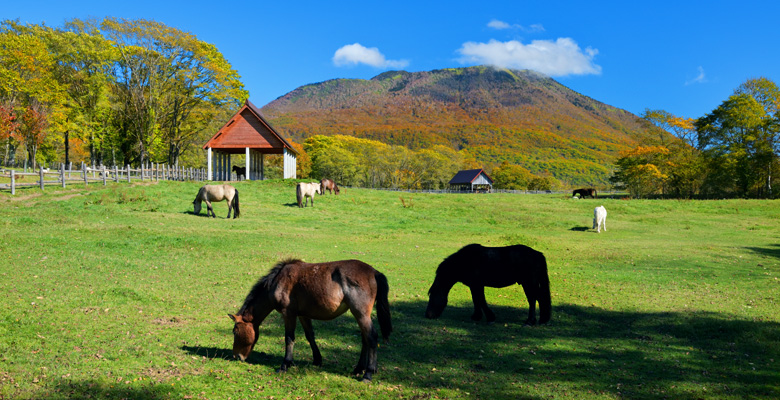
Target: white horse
211,193
600,219
305,191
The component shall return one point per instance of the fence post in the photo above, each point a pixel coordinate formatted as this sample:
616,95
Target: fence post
84,171
70,168
116,173
62,174
104,175
128,173
40,173
142,172
13,181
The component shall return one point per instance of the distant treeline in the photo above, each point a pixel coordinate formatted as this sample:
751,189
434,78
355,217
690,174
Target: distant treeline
113,92
730,152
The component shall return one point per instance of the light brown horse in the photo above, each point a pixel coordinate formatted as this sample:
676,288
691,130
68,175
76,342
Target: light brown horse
211,193
329,185
305,191
323,291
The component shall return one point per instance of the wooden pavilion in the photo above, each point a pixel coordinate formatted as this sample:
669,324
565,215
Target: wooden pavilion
471,180
247,132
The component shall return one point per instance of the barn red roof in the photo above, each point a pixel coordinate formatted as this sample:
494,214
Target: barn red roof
248,128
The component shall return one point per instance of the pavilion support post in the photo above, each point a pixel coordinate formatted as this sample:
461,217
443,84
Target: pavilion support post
209,175
247,165
229,169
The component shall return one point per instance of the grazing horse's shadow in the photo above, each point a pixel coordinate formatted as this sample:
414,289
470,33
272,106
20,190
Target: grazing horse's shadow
256,358
579,229
291,205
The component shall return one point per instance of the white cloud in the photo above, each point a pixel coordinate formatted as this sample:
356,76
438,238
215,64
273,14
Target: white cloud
496,24
554,58
353,54
701,78
500,25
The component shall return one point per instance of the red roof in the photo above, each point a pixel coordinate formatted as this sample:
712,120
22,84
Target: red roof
248,128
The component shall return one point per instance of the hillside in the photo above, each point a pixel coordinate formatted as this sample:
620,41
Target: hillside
495,115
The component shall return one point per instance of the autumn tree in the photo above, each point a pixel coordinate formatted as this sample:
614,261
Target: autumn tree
733,139
683,167
83,63
28,84
511,176
639,170
32,129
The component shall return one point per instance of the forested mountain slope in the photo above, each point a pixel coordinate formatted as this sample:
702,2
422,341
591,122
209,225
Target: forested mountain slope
495,115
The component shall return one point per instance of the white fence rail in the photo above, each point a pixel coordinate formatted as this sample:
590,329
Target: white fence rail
101,174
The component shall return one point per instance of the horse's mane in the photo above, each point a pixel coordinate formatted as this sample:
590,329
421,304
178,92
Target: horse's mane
265,284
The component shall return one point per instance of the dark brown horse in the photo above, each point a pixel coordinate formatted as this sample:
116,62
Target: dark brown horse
477,266
323,291
329,185
584,192
239,172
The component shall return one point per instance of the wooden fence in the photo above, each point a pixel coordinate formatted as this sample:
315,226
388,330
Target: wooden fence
46,176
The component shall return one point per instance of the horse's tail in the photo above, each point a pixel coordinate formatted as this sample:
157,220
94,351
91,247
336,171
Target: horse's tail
299,195
236,211
545,302
383,305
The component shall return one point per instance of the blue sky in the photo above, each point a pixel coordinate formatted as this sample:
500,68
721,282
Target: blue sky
685,57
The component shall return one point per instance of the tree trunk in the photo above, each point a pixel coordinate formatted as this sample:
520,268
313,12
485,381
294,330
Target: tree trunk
67,146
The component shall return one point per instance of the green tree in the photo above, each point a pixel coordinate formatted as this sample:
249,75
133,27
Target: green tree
640,170
27,83
732,138
510,176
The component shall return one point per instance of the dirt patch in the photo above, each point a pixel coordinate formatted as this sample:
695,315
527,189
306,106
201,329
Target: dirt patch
25,198
173,321
68,197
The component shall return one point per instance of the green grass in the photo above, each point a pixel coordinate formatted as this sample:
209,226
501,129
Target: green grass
120,292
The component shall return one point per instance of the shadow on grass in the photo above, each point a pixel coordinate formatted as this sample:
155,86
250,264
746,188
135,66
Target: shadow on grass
584,352
580,229
101,390
598,351
257,358
772,251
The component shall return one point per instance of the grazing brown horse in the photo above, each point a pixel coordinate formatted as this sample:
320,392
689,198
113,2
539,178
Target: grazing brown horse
584,192
323,291
477,266
239,172
329,185
211,193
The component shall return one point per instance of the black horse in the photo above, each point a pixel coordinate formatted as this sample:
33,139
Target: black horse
477,266
591,192
240,171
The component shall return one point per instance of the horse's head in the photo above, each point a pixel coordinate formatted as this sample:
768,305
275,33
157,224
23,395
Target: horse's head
437,300
335,189
243,336
196,205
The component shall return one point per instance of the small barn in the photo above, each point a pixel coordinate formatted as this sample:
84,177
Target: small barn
248,133
472,180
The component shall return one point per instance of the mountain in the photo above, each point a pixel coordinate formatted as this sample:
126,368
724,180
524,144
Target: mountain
495,115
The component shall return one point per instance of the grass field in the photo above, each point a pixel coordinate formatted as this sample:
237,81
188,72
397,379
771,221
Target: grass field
120,292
